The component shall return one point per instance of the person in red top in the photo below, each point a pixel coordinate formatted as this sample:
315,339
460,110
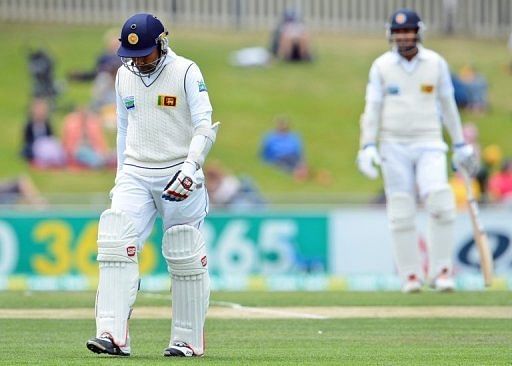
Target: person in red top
500,184
83,139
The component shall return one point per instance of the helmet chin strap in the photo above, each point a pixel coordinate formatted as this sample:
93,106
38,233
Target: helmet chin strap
407,51
158,65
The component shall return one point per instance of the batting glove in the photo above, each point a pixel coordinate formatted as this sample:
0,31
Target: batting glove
182,184
367,161
464,158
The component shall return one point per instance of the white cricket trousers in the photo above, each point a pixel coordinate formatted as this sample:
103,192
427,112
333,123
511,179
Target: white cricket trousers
140,197
411,168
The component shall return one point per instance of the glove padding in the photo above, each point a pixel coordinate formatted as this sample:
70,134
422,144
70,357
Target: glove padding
464,158
367,161
182,184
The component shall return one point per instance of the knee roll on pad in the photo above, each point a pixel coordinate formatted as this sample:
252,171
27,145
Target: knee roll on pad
117,238
401,211
119,275
440,205
184,250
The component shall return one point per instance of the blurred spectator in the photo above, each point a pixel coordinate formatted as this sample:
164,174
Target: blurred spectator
107,61
83,140
19,190
476,87
103,76
500,184
104,96
489,160
492,156
37,125
228,191
449,13
284,149
291,39
41,68
40,146
471,134
459,190
460,91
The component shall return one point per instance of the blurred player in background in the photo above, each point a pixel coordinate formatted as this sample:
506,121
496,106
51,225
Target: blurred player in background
407,86
164,136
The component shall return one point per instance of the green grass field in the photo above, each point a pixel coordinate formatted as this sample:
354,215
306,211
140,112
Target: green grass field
323,99
250,341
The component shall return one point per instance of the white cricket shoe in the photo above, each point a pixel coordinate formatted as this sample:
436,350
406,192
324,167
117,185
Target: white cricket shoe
444,282
105,344
412,284
179,349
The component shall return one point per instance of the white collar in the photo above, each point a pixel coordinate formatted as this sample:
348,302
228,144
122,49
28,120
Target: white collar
170,57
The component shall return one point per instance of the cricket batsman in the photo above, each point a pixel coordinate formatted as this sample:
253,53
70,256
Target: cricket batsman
409,97
164,135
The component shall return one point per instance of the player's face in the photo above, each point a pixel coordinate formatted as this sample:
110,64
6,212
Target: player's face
147,63
405,37
405,40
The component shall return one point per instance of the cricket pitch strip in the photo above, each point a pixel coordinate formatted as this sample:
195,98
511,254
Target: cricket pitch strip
237,311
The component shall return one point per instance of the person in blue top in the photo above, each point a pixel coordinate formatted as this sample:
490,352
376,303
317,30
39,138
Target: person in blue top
282,147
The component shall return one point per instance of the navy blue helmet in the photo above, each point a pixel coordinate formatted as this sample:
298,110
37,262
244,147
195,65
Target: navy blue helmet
405,19
140,35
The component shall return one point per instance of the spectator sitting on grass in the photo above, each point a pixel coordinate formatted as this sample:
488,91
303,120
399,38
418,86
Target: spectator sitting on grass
228,191
38,125
107,60
476,86
284,149
290,40
83,140
19,190
500,184
40,147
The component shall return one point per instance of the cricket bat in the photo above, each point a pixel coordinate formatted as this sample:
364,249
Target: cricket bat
479,234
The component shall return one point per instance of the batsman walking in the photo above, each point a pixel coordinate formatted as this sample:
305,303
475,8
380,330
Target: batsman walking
164,135
409,97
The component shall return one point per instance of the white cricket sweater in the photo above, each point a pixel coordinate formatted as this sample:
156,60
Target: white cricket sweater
409,107
160,124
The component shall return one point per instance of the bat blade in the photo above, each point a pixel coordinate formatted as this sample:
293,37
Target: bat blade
482,244
479,234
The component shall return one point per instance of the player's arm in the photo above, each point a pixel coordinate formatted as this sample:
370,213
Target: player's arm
183,183
201,112
122,127
368,156
370,119
463,154
450,113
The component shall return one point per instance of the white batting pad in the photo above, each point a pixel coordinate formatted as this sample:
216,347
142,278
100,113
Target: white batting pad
401,214
119,276
440,205
185,252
